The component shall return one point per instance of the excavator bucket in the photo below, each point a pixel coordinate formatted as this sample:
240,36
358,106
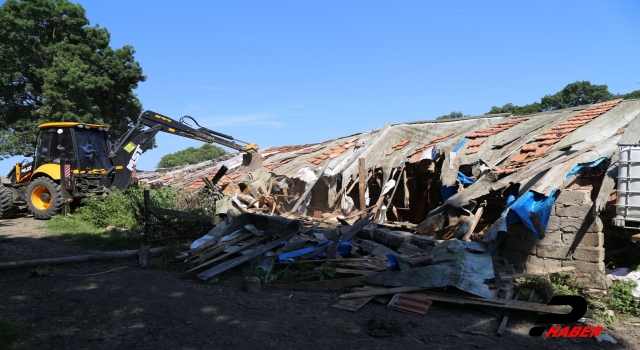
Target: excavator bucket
251,161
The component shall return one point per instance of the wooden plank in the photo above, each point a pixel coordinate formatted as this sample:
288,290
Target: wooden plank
505,304
247,244
356,228
382,291
352,304
476,219
503,325
321,285
354,271
362,187
242,259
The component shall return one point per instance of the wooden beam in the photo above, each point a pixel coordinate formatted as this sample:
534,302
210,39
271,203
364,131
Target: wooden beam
363,187
242,259
23,264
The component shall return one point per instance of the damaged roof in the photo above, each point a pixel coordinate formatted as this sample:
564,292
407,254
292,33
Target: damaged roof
510,146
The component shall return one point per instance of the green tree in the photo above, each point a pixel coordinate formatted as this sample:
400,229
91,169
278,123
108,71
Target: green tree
513,109
191,155
576,94
629,96
55,67
452,115
572,95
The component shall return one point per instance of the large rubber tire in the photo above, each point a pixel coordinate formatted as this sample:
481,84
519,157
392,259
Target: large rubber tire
44,198
7,207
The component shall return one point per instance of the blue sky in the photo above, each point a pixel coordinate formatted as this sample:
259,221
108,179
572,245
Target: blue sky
292,72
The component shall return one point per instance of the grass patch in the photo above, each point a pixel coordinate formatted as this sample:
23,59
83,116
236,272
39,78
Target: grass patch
86,225
12,337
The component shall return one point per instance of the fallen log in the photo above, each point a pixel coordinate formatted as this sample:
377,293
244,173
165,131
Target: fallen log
24,264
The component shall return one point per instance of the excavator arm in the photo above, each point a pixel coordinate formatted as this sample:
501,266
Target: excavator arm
127,150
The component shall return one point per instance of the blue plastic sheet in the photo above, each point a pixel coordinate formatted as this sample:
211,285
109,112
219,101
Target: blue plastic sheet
448,191
460,145
465,179
393,262
585,165
540,204
344,249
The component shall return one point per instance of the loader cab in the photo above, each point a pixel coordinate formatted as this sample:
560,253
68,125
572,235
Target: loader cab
84,147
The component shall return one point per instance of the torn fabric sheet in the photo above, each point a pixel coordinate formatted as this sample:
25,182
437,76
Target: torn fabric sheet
464,265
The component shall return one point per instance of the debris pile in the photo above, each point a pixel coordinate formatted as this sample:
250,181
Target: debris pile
416,208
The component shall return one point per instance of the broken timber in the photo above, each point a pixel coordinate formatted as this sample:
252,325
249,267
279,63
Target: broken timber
23,264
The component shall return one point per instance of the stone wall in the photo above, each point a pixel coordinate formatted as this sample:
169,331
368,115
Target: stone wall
573,238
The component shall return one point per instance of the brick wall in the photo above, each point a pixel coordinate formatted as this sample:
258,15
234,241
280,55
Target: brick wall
573,238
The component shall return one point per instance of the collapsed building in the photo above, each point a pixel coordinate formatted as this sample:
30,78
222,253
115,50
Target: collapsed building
539,190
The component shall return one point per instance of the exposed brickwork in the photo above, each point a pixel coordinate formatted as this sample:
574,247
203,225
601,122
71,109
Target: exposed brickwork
571,220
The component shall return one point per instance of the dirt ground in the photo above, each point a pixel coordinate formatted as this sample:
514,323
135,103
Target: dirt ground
87,307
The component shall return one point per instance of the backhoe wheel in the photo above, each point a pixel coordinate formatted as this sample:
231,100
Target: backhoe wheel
44,198
7,207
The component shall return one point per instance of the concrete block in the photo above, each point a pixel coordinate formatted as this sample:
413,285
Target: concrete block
520,245
596,226
589,254
574,197
515,257
585,267
597,281
554,237
553,251
538,264
561,210
588,240
567,224
554,223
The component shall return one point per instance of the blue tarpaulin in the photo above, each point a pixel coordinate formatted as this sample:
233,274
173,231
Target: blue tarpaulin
344,249
448,191
585,165
460,145
520,210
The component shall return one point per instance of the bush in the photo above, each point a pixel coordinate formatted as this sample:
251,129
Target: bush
191,155
87,224
622,299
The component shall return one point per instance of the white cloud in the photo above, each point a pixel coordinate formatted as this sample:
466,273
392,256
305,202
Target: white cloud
271,119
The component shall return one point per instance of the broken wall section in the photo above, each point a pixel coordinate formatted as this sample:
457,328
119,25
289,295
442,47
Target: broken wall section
573,238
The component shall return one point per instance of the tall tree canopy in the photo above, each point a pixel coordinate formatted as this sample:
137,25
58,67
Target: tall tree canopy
572,95
55,67
191,155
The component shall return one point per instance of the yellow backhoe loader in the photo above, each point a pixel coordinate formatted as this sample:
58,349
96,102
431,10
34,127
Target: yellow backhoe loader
71,160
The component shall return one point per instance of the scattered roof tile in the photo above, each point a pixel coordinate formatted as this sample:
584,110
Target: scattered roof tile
400,145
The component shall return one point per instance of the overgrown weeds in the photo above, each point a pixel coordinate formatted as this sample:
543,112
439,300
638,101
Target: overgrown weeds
86,225
12,337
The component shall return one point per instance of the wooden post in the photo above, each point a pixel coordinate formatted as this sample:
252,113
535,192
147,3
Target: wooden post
363,187
147,215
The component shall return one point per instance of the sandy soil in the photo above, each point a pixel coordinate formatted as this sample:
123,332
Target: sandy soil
87,307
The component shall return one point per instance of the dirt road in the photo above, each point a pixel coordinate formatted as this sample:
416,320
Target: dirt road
87,307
